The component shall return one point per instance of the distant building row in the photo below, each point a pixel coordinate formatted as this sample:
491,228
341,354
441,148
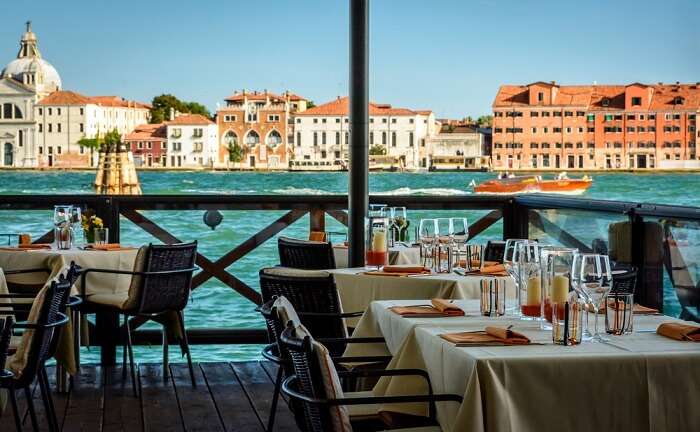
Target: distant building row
548,126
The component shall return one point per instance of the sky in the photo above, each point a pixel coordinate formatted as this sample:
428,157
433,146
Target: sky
446,55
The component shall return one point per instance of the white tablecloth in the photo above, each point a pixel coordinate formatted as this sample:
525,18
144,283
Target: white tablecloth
398,254
637,382
358,290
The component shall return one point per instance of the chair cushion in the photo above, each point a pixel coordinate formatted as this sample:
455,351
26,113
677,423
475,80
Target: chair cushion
286,311
292,272
117,300
331,383
134,295
17,361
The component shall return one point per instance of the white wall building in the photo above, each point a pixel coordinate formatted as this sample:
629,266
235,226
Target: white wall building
192,141
456,147
322,135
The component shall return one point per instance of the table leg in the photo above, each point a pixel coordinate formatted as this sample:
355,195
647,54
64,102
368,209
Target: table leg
107,326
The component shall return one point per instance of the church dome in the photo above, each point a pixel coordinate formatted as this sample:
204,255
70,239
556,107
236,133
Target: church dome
47,76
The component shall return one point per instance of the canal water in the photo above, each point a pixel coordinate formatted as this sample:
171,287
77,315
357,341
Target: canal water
215,305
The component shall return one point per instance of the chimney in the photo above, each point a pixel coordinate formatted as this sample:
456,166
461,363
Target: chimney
171,114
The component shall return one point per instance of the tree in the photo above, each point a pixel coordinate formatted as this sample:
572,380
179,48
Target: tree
112,139
377,150
235,152
310,104
161,106
485,121
91,143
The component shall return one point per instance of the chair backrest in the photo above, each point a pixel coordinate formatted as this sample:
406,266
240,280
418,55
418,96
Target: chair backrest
309,291
494,251
625,282
308,255
275,326
156,293
72,276
44,317
6,324
309,381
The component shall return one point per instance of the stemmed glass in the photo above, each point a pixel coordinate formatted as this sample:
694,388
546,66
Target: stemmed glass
399,222
510,262
444,245
76,221
592,280
460,236
62,223
427,235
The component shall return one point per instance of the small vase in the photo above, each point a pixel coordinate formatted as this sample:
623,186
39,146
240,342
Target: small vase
90,236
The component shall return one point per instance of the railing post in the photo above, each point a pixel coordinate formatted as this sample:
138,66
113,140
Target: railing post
358,190
107,323
515,220
650,284
317,220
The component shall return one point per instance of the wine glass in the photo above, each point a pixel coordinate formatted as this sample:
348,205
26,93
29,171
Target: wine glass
62,215
593,281
427,236
445,243
460,235
399,221
62,223
76,221
510,262
530,285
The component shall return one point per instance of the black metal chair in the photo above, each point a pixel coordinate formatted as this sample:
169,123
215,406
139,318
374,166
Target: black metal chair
624,281
314,296
160,285
38,345
303,254
307,385
494,251
275,318
6,324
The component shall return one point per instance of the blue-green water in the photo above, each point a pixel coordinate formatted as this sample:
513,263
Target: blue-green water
216,305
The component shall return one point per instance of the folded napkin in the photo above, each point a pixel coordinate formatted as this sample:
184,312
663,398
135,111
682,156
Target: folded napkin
491,270
438,308
491,336
476,263
681,332
400,270
105,247
35,246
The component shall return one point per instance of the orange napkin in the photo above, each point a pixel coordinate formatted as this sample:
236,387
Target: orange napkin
25,238
491,270
476,263
318,236
681,332
105,247
491,336
439,308
35,246
400,270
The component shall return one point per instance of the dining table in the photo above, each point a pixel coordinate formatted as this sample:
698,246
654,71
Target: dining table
639,381
399,253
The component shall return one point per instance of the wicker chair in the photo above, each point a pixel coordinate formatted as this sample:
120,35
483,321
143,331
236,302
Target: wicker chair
39,348
494,251
275,352
314,296
160,286
307,255
308,387
624,282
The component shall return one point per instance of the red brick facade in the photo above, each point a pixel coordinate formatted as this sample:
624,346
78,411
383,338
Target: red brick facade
549,126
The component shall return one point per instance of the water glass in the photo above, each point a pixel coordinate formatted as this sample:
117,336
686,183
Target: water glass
493,297
510,262
619,313
427,237
592,280
101,236
474,257
567,320
64,237
555,273
530,286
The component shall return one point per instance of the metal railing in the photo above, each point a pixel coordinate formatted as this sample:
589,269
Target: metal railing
662,241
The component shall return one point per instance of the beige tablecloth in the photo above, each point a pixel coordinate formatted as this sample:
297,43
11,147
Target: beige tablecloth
358,290
638,382
398,254
54,261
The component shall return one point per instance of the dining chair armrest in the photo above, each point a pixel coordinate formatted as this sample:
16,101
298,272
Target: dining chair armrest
63,319
269,354
385,372
362,359
331,314
330,341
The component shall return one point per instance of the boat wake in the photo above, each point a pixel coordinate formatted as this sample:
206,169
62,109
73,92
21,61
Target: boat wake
423,191
300,191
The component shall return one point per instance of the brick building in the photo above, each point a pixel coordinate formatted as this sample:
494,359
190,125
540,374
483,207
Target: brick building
148,143
547,126
259,122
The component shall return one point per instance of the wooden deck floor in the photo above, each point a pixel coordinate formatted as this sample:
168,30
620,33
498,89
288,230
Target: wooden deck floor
228,397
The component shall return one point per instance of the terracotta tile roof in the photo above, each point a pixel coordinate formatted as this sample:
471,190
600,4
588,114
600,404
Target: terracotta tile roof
606,97
190,119
65,97
147,132
341,105
254,96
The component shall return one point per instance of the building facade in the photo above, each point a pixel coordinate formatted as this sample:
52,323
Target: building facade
260,124
548,126
192,142
322,137
457,147
41,125
149,145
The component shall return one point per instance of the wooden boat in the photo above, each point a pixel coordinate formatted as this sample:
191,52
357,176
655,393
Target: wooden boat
533,184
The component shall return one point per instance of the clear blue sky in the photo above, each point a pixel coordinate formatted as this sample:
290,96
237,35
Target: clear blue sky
446,55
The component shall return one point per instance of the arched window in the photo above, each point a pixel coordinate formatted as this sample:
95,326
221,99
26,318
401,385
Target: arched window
230,138
252,138
273,138
18,112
